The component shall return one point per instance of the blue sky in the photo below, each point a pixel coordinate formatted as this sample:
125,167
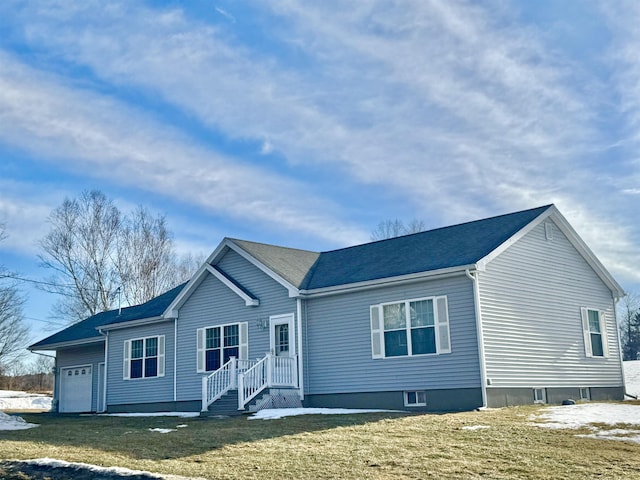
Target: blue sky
307,123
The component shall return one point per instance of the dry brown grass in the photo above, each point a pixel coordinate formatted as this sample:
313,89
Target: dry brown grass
376,446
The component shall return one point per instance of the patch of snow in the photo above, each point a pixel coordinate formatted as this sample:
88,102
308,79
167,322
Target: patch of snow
153,414
13,422
475,427
275,413
182,426
588,415
585,414
99,471
632,377
163,430
15,400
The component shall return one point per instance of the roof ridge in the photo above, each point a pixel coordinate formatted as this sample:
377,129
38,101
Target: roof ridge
541,208
272,245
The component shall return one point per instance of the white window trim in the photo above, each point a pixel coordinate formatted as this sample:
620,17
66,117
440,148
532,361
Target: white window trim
441,327
127,357
543,392
587,396
201,343
602,318
418,403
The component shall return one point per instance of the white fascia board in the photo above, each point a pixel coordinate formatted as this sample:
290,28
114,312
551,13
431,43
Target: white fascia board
248,300
72,343
587,254
133,323
482,263
293,291
554,214
383,282
172,310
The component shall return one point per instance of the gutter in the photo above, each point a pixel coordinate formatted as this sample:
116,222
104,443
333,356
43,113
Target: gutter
481,357
382,282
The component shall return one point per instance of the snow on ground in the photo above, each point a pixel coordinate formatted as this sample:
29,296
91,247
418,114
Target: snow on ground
153,414
275,413
13,400
13,422
592,416
632,377
52,468
475,427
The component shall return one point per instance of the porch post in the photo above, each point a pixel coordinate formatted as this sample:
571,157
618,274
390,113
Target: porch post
241,391
204,394
233,371
269,369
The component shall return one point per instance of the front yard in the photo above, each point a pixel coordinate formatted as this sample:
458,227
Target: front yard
495,444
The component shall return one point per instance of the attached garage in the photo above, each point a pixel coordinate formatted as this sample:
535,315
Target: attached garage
75,389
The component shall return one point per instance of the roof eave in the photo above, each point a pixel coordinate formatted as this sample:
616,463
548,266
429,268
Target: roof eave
133,323
382,282
71,343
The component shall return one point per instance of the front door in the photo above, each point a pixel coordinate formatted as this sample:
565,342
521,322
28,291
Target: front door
282,338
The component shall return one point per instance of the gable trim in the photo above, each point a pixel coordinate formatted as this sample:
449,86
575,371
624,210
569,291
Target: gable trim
228,243
249,300
553,214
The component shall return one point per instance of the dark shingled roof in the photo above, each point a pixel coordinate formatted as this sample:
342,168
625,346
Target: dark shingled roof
86,329
446,247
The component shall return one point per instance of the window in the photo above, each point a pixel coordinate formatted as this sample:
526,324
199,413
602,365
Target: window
584,393
539,395
216,345
144,358
415,399
594,329
410,328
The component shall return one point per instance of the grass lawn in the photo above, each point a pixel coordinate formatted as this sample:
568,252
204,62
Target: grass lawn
329,446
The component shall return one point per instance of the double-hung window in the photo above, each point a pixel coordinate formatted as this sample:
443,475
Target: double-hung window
216,345
144,358
410,328
595,332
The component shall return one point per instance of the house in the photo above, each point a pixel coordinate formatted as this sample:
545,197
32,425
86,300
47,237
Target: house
513,309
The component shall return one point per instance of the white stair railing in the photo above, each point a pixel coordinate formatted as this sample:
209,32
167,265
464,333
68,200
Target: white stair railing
271,371
219,382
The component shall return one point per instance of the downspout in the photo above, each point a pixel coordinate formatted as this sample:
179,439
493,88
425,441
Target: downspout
479,334
106,370
175,359
300,358
620,356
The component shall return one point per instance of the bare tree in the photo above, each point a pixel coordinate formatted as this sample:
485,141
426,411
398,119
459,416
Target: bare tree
95,251
13,331
629,315
145,258
79,248
396,228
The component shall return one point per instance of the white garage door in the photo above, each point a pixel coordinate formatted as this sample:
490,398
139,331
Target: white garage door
75,389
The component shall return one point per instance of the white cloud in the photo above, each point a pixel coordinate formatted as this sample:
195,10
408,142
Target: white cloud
106,139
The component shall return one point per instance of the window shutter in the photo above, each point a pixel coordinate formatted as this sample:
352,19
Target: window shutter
603,331
161,356
201,350
377,332
585,330
442,321
243,347
126,369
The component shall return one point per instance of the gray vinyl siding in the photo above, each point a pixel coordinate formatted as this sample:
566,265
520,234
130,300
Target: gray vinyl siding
338,343
79,356
139,390
531,296
212,303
